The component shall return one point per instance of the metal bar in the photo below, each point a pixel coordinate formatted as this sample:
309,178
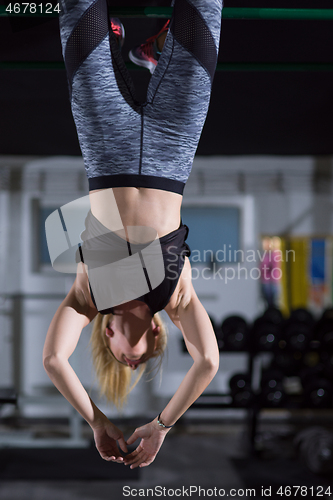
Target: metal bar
37,296
274,67
26,439
17,328
227,13
32,65
222,66
278,14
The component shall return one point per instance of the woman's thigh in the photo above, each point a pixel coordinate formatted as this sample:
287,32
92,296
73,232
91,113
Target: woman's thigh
106,113
180,88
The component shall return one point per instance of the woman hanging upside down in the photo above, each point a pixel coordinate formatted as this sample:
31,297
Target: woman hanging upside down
138,157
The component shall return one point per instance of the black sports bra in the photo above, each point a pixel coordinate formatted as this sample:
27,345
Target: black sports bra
174,250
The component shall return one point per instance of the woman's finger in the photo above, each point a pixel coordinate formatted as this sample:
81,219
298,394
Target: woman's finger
133,457
129,459
141,457
133,437
113,458
141,462
118,460
122,444
132,461
146,463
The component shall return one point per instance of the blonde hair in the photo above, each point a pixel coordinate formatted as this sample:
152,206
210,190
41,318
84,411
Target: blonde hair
115,378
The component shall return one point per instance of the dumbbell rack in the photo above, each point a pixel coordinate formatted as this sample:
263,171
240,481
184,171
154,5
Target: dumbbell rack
225,401
287,342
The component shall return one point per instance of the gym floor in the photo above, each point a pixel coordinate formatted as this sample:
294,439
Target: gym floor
211,455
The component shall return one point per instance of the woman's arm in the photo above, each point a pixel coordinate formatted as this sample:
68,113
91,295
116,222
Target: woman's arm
201,344
65,329
192,319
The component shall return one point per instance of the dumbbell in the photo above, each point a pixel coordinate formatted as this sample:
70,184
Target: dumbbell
315,449
288,362
272,391
266,335
271,377
328,313
273,315
326,359
297,335
323,331
318,391
302,315
235,333
308,374
241,391
318,394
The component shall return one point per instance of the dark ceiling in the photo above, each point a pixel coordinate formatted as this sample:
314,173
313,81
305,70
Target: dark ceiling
283,113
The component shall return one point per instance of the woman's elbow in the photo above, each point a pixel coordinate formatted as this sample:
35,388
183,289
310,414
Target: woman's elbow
51,363
210,365
48,363
215,365
213,358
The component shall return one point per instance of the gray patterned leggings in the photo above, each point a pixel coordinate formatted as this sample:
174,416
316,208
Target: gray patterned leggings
125,142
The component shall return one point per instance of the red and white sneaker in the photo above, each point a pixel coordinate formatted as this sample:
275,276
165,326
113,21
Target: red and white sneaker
119,30
147,54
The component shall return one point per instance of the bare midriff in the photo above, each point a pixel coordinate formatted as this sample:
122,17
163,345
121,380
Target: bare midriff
131,206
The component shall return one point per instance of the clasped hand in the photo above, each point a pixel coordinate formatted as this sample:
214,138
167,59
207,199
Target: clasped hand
151,438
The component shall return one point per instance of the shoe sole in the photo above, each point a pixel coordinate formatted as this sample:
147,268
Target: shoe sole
140,62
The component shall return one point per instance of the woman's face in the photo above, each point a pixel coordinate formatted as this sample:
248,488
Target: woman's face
132,340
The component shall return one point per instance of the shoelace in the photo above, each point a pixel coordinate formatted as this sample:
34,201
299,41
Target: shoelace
147,47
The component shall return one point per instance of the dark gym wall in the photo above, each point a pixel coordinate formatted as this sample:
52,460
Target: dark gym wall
285,113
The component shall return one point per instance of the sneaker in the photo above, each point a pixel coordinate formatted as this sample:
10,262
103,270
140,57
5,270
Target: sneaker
119,30
147,54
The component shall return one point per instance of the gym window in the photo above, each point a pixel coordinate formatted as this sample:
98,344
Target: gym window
214,234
